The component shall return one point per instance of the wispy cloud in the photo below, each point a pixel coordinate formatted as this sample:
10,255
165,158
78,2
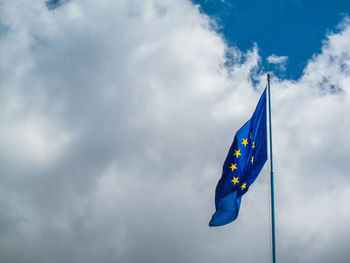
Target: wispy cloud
279,61
273,59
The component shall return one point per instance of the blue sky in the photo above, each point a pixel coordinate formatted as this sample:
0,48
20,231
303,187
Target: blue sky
290,28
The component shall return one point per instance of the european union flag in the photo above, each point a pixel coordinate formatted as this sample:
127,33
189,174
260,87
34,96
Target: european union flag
245,159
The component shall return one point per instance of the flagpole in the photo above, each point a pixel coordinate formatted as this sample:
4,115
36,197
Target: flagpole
271,180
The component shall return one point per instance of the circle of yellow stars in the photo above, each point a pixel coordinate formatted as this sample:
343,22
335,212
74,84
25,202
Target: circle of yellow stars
233,166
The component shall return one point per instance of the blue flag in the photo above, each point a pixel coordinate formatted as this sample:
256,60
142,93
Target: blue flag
245,159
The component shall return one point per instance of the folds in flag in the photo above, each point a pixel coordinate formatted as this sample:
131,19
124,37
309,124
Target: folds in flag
244,161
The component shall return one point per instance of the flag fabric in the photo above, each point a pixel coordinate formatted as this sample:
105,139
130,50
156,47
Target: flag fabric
244,161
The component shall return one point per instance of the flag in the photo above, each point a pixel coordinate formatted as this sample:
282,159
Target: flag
244,161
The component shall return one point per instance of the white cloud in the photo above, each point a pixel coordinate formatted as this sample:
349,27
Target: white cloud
280,61
117,117
273,59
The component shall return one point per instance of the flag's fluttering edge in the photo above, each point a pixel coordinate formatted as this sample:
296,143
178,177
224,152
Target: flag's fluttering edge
244,161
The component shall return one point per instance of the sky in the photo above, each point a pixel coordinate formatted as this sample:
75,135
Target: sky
117,116
290,28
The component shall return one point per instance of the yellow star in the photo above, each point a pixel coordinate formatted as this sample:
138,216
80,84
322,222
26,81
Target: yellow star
253,146
237,153
252,160
243,186
235,180
245,142
250,135
233,167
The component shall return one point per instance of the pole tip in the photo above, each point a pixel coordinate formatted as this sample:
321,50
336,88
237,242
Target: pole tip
268,76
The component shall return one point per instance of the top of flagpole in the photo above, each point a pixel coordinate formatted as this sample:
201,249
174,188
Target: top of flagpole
268,76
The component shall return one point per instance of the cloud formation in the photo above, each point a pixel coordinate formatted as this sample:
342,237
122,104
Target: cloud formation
273,59
117,116
279,61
